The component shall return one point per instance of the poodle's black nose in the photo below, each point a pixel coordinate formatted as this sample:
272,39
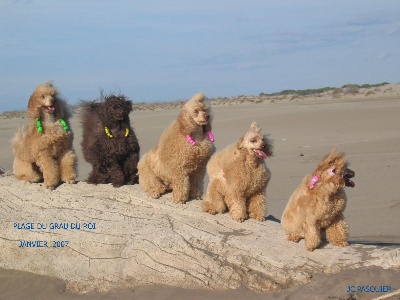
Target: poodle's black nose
349,173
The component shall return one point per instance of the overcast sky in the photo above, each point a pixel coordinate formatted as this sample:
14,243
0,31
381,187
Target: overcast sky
162,50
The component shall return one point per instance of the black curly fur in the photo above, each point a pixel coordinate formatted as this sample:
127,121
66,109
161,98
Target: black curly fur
113,159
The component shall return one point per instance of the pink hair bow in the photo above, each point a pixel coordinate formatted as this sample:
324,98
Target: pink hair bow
210,135
313,181
193,142
189,138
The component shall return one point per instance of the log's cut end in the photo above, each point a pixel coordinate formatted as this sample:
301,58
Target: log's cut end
96,237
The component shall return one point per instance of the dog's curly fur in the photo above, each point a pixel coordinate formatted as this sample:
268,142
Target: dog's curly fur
317,206
239,177
175,164
46,155
109,143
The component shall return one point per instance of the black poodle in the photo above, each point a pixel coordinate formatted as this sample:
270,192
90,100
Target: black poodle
109,143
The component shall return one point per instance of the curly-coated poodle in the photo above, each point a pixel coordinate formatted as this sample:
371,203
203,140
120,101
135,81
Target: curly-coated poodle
317,205
178,162
43,148
239,177
109,143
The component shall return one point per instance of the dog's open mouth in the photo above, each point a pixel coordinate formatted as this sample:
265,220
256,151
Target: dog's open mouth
346,177
50,108
260,153
349,182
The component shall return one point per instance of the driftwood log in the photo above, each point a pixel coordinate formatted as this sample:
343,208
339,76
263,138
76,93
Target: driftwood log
101,238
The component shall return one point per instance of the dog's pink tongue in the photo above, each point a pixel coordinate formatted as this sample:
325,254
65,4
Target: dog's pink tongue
352,184
52,108
261,153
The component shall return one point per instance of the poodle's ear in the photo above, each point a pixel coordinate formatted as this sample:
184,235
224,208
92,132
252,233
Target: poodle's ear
244,139
34,107
62,111
206,102
128,105
239,144
331,161
186,125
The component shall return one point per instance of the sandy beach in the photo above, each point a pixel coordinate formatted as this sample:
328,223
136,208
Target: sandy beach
303,130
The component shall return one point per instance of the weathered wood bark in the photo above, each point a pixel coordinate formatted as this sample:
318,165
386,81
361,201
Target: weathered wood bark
130,239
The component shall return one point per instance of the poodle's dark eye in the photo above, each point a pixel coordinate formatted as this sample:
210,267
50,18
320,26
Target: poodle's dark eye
196,111
253,140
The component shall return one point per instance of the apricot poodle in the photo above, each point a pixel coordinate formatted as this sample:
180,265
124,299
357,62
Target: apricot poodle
109,143
178,162
317,205
239,177
43,148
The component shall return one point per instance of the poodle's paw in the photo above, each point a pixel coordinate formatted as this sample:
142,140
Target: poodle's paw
117,184
257,217
69,178
206,206
178,201
95,180
211,211
239,215
179,197
310,248
133,180
293,238
341,244
50,184
196,197
49,187
33,179
155,195
91,181
239,219
312,245
195,194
